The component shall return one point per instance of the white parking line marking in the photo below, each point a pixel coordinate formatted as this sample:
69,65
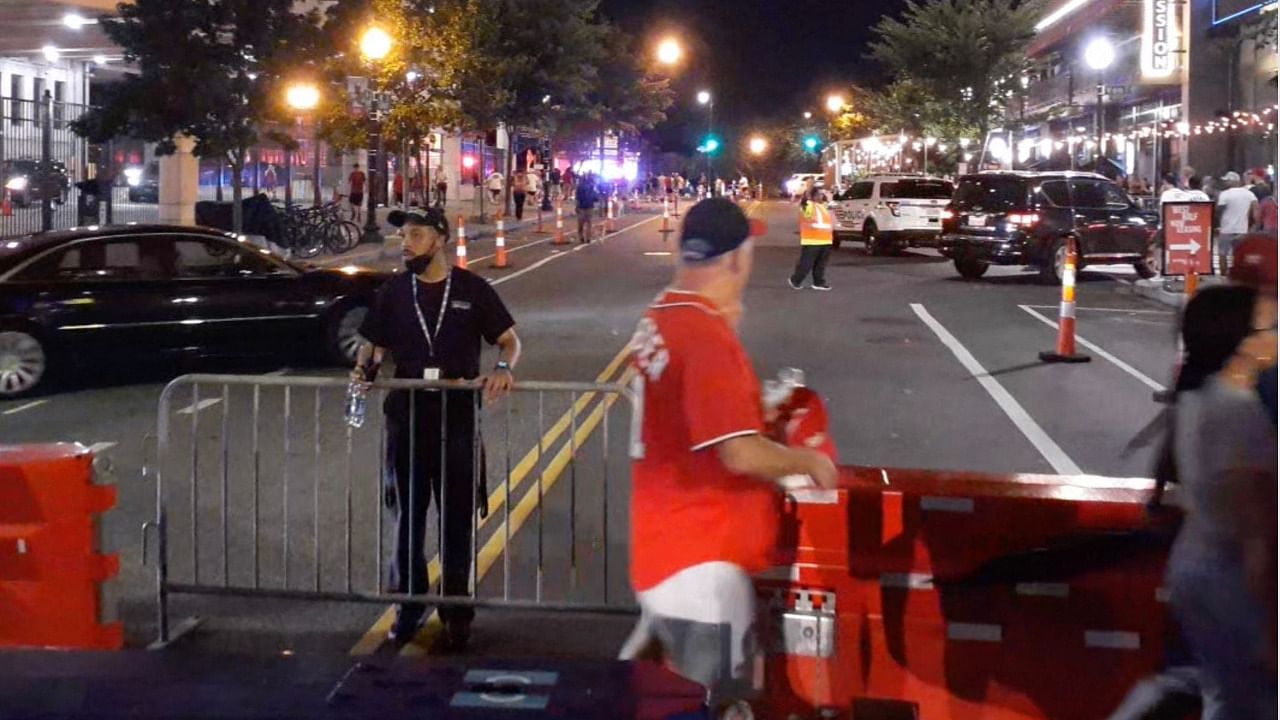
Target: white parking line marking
27,406
1098,309
1131,370
100,447
544,261
206,403
1056,457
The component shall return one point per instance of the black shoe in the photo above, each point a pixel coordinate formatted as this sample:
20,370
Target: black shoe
795,285
455,637
823,287
405,628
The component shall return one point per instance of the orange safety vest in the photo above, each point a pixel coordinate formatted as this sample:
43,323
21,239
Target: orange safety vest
815,225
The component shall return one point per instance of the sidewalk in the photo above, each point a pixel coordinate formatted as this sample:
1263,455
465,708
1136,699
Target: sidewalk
1169,291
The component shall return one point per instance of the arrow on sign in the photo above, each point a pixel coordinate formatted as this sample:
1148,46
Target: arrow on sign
1193,247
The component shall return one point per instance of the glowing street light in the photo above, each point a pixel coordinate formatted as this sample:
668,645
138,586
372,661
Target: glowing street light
50,53
757,145
835,102
669,51
375,43
1099,54
75,21
99,59
704,97
302,96
808,115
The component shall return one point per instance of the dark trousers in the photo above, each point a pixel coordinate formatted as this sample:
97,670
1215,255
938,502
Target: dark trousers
518,197
584,224
415,468
441,189
813,258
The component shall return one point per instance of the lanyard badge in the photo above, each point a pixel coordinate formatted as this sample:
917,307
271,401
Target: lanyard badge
422,321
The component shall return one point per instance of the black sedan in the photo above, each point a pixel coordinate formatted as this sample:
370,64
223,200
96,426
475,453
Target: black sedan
92,296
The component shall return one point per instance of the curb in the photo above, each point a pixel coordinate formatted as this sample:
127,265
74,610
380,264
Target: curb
1166,291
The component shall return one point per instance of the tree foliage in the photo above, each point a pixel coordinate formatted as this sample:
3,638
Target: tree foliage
966,55
211,70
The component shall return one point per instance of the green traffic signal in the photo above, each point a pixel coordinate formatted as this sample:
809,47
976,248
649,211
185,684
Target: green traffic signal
811,143
712,144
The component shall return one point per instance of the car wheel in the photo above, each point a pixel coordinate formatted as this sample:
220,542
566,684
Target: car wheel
344,334
24,363
871,236
1150,264
971,268
1054,265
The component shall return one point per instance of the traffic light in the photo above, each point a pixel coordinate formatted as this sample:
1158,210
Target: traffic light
811,143
710,144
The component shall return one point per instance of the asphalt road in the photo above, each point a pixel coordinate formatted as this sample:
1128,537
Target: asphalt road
919,368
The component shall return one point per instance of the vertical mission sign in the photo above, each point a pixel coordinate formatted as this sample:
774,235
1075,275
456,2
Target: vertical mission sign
1159,39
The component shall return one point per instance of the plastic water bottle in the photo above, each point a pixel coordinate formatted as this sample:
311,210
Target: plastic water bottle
357,404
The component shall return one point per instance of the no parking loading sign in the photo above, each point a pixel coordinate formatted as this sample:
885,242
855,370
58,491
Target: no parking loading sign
1188,237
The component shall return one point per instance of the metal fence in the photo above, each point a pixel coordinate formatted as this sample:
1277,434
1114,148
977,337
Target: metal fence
41,162
271,494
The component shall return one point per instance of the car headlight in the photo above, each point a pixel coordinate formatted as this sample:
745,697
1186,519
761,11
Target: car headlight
16,183
133,176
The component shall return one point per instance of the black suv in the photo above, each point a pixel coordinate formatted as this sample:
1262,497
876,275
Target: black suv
29,181
1025,218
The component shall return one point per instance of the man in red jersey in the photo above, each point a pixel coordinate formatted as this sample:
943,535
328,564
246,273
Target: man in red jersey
706,507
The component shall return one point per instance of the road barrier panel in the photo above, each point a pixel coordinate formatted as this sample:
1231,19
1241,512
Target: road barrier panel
1065,352
298,510
51,567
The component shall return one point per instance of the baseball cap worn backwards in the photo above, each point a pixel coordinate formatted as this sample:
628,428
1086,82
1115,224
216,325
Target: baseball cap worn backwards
712,228
431,217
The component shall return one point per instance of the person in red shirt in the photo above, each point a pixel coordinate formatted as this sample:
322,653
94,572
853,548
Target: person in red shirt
706,508
356,181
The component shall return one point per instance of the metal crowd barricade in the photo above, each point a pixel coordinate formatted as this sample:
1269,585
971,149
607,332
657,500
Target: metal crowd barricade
272,495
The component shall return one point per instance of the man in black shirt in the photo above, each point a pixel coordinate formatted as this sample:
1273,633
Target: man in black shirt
431,320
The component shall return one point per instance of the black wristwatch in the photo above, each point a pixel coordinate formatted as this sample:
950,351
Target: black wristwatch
503,365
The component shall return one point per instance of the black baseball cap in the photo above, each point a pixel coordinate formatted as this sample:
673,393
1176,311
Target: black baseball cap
712,228
430,217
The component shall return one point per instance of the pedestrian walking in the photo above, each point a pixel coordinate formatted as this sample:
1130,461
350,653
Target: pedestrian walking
355,190
1266,216
270,180
816,239
1222,450
442,186
706,508
519,188
431,320
554,180
1237,212
585,198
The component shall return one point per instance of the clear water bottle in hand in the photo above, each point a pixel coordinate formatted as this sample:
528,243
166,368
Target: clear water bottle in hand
357,405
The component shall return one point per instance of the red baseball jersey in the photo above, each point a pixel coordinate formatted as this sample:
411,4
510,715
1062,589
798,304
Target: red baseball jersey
696,389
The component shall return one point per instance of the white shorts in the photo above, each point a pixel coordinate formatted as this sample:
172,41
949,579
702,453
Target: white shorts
705,618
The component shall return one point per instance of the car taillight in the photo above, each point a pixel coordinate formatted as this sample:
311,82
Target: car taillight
1023,219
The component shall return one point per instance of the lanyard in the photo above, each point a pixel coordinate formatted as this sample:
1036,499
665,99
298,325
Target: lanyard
422,321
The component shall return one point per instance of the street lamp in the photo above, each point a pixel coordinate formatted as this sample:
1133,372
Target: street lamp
835,103
1098,55
705,98
757,145
669,51
303,97
375,45
808,115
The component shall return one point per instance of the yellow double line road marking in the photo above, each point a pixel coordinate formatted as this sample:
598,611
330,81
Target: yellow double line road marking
375,635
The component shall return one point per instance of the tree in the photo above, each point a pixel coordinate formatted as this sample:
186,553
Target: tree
965,54
212,70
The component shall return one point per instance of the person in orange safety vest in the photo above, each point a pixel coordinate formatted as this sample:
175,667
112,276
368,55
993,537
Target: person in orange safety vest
816,239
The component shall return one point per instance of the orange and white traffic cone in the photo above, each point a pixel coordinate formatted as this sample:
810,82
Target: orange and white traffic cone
462,243
1066,350
6,208
500,259
675,211
559,225
666,217
608,218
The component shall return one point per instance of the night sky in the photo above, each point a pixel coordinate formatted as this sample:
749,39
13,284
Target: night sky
761,58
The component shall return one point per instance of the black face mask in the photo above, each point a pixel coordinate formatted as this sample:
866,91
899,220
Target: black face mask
418,264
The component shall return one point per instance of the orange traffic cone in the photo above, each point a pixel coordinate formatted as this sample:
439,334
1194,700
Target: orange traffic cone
1066,350
608,218
462,243
500,260
666,218
559,224
6,208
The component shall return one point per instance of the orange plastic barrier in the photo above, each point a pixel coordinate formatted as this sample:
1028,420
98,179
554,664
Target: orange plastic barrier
50,568
964,596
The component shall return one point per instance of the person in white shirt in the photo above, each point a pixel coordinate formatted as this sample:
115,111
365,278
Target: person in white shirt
1237,208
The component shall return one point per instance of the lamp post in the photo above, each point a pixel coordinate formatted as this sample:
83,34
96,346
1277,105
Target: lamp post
705,98
302,98
375,45
1098,55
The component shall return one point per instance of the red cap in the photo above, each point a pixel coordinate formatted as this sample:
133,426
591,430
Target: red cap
1253,262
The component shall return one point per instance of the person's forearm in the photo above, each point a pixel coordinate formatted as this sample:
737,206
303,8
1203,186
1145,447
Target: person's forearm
509,349
758,457
369,355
